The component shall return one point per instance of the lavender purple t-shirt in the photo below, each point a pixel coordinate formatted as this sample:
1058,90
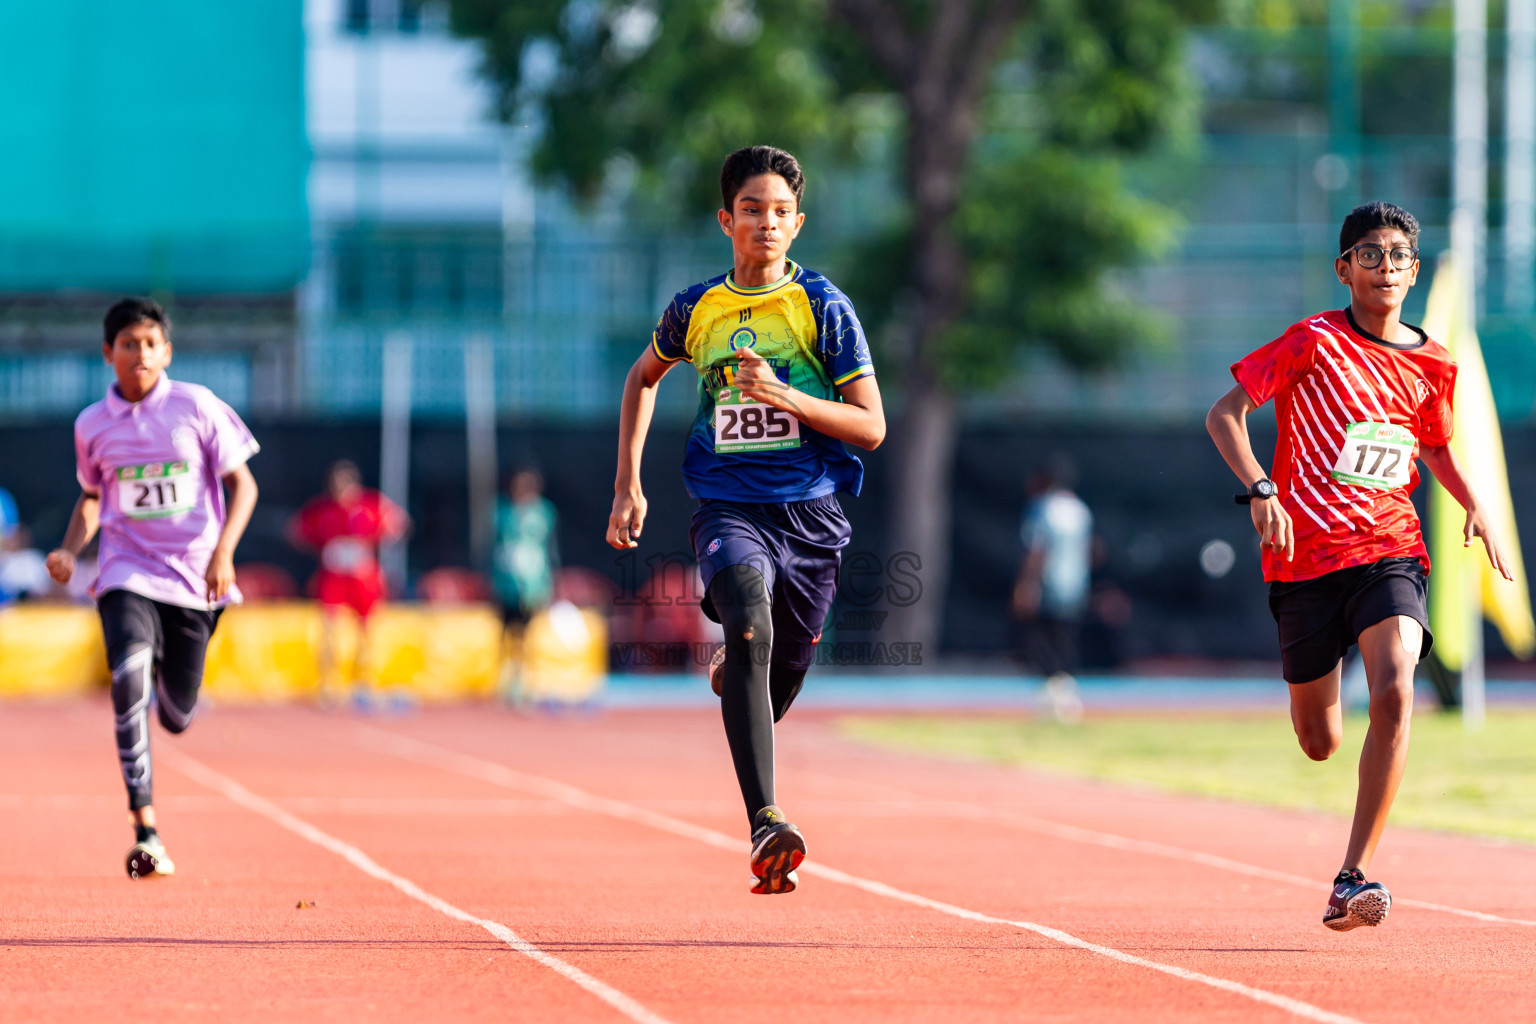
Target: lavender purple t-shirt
157,464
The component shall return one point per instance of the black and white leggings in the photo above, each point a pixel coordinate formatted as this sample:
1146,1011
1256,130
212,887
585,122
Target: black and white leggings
155,650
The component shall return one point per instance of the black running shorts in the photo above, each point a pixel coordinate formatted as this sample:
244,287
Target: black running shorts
178,635
1321,618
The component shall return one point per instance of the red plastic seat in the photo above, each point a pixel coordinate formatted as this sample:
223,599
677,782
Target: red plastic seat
259,581
452,584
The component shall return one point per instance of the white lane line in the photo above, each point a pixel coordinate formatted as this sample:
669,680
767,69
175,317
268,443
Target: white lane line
1295,1006
1072,833
408,807
231,789
1115,842
422,752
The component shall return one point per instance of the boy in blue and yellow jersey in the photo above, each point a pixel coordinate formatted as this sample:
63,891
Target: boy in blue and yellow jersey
785,378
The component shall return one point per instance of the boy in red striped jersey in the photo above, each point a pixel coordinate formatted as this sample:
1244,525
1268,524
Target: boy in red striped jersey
1359,395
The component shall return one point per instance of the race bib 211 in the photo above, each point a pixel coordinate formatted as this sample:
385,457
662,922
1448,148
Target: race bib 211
155,490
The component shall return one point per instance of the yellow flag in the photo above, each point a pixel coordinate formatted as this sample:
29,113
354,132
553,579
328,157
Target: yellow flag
1460,572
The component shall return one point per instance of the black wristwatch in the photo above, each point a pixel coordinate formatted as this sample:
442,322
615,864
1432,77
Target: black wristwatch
1261,490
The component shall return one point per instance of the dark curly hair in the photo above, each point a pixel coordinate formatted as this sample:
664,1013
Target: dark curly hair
1367,217
754,160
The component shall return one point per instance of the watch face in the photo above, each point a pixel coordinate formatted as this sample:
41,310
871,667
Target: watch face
1264,488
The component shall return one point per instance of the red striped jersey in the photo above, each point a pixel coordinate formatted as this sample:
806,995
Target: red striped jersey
1353,411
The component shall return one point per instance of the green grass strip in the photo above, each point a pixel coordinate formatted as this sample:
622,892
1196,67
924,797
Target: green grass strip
1483,783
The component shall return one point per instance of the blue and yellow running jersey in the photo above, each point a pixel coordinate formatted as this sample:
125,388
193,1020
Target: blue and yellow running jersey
808,332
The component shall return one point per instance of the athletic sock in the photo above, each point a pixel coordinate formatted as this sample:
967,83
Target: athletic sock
767,817
142,833
1349,876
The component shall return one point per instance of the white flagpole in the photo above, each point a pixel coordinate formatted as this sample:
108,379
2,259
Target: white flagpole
1469,129
1520,158
395,445
480,439
1469,224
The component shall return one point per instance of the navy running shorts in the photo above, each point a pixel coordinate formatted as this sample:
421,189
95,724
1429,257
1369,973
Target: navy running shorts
1321,618
797,546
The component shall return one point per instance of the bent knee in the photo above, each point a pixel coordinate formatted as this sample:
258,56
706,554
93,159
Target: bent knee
1319,744
174,719
740,596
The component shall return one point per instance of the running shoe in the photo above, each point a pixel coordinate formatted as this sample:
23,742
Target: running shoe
149,858
717,670
1063,698
777,850
1356,902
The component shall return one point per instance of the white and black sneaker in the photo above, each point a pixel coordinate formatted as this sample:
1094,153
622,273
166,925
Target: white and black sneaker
777,849
148,858
1356,902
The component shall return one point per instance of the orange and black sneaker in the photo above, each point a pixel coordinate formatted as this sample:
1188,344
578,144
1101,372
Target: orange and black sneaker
778,849
1355,902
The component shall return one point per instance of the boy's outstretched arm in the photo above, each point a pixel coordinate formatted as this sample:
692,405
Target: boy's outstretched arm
1447,469
1227,423
82,527
242,502
628,516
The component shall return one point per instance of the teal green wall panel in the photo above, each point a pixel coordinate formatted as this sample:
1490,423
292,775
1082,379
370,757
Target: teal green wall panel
153,145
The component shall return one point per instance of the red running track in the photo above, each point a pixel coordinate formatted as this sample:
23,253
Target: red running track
471,864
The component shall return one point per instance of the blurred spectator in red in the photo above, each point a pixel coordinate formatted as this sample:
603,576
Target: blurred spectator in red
345,526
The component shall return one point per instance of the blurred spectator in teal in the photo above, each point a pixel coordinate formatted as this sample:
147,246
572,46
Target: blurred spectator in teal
526,554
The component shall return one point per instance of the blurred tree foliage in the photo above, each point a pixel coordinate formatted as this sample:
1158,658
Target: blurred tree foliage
1278,55
1070,86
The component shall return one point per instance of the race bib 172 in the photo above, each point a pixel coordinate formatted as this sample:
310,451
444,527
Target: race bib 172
155,490
1377,455
742,425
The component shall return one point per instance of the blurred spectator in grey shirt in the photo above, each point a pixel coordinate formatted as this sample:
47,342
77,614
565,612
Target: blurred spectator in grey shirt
1050,595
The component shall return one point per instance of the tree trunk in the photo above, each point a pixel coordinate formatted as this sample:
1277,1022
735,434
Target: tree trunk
940,64
920,514
926,431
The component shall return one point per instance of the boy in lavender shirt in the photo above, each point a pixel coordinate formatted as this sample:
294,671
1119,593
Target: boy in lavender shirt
150,458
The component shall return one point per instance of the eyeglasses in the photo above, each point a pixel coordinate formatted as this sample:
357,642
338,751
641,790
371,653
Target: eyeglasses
1369,256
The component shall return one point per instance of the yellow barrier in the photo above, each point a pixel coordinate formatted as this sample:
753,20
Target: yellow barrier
49,650
270,652
564,656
